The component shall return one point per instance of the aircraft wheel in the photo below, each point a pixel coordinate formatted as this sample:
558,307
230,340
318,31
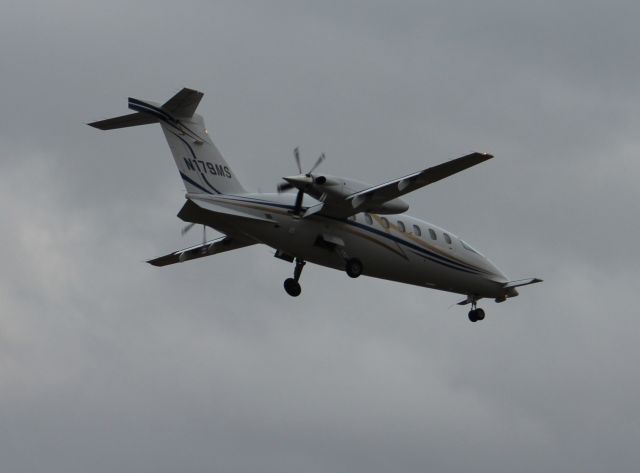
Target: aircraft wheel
479,314
473,317
292,287
354,267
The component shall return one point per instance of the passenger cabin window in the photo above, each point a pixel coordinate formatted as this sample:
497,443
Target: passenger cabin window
368,219
385,222
432,234
447,238
401,226
416,230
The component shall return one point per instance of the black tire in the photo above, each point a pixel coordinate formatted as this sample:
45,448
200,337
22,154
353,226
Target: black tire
354,267
292,287
473,316
479,314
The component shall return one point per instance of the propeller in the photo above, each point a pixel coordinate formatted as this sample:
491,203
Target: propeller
296,156
302,180
188,227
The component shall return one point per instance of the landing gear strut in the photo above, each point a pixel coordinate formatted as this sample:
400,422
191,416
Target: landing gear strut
475,314
291,285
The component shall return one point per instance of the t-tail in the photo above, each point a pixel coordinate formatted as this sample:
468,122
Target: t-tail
201,166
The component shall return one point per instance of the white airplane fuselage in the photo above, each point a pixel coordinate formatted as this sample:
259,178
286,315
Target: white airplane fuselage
411,256
349,226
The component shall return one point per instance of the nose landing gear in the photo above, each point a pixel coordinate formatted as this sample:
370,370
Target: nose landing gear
292,285
475,314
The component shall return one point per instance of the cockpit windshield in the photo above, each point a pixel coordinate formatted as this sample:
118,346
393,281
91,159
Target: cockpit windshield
466,246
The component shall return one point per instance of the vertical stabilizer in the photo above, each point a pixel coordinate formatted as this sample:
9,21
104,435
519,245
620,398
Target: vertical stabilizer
201,166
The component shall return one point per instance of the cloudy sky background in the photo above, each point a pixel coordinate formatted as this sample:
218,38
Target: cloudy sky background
108,364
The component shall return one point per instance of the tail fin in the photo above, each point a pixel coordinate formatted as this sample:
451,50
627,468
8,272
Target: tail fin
201,166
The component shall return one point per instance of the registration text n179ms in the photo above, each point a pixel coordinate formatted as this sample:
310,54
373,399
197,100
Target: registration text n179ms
328,220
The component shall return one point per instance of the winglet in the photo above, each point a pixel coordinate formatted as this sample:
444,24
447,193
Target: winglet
184,103
521,282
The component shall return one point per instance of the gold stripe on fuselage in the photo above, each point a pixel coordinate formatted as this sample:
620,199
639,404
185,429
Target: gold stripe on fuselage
422,243
410,236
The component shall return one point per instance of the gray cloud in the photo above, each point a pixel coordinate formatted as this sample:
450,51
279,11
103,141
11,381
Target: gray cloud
107,364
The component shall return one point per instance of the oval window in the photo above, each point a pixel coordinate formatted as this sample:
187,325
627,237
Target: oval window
432,234
401,226
447,238
368,219
416,230
384,222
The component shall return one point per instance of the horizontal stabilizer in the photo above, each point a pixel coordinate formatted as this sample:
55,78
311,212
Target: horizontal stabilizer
184,103
521,282
209,248
385,198
124,121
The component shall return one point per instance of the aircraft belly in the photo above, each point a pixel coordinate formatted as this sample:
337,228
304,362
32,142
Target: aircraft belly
387,259
381,257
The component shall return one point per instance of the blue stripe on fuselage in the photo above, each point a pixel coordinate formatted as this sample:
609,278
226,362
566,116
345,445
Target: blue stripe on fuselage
148,108
414,248
194,183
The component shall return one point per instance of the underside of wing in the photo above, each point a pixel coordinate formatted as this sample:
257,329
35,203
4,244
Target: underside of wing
381,195
209,248
404,185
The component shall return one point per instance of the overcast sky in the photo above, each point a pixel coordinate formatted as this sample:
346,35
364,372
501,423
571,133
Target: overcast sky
108,364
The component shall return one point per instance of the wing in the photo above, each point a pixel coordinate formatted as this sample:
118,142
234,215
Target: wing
213,247
399,187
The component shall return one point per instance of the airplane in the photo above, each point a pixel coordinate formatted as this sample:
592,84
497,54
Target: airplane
349,225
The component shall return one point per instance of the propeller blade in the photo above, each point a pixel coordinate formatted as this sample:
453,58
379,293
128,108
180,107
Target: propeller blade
302,181
285,186
186,228
318,162
298,205
296,156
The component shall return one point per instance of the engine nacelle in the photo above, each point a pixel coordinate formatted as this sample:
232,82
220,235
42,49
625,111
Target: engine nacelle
336,188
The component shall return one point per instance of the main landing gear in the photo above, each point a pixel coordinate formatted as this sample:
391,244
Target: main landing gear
353,267
292,285
475,314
